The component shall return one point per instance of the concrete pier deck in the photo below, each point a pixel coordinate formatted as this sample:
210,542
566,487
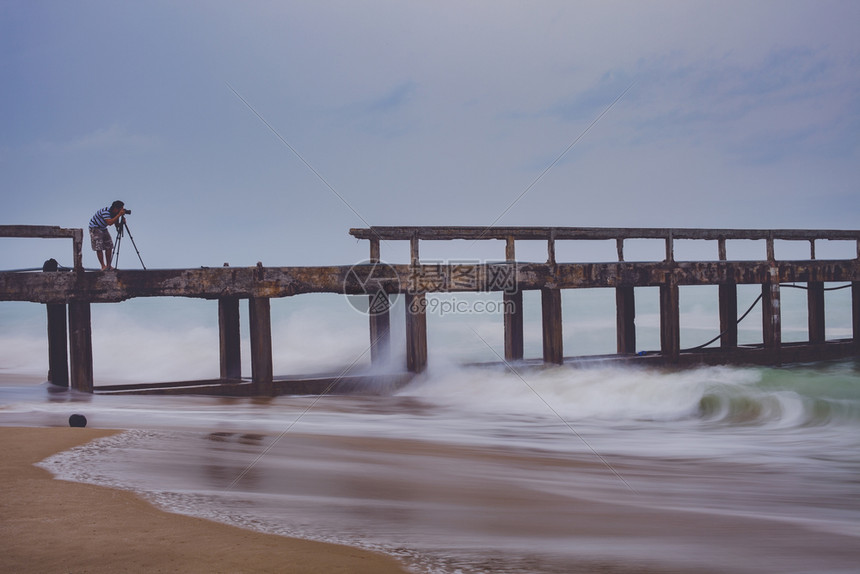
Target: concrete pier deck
68,295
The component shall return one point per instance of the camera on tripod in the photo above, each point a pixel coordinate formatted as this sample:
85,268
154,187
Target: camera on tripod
121,230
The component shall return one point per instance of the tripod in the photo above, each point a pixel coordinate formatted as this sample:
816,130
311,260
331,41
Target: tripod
121,229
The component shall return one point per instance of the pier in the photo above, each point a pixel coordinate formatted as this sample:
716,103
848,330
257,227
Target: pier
69,294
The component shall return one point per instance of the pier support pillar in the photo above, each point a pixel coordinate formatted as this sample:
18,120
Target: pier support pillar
513,315
670,321
416,332
625,319
380,328
58,355
553,347
58,347
513,309
379,307
855,310
728,294
815,314
81,345
771,316
230,341
261,343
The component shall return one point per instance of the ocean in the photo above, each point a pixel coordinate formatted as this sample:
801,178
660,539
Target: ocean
572,468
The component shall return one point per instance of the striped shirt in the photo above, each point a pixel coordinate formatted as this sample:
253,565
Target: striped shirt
99,220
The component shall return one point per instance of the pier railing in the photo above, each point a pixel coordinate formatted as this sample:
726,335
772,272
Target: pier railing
552,234
49,232
507,276
668,274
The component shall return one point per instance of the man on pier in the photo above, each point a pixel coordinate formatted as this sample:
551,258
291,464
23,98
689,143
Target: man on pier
99,237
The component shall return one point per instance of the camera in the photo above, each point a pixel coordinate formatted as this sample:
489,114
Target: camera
128,212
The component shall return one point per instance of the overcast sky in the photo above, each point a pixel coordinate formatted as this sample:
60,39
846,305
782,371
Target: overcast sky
262,131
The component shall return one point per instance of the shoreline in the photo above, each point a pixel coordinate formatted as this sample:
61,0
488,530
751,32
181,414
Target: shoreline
53,525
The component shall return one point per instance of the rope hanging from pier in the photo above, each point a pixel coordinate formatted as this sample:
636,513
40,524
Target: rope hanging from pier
804,287
717,338
742,317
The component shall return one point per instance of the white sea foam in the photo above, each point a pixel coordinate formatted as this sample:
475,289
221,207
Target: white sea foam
472,469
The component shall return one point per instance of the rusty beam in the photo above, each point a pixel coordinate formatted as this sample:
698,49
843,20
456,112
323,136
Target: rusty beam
559,233
270,282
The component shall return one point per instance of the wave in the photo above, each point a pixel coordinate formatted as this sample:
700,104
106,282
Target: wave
781,397
794,397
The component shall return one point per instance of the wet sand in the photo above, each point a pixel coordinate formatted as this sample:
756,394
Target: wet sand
50,525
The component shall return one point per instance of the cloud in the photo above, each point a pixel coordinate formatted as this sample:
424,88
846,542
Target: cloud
386,114
590,102
111,137
102,140
394,100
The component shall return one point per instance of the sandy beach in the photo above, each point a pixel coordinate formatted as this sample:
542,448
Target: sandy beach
50,525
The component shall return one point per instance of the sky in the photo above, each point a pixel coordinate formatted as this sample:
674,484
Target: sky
263,131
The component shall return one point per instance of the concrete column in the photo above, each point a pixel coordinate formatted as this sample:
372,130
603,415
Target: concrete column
58,355
728,294
815,306
230,340
513,310
670,321
379,317
380,328
855,309
77,246
416,332
771,316
261,343
553,347
510,249
625,317
81,345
